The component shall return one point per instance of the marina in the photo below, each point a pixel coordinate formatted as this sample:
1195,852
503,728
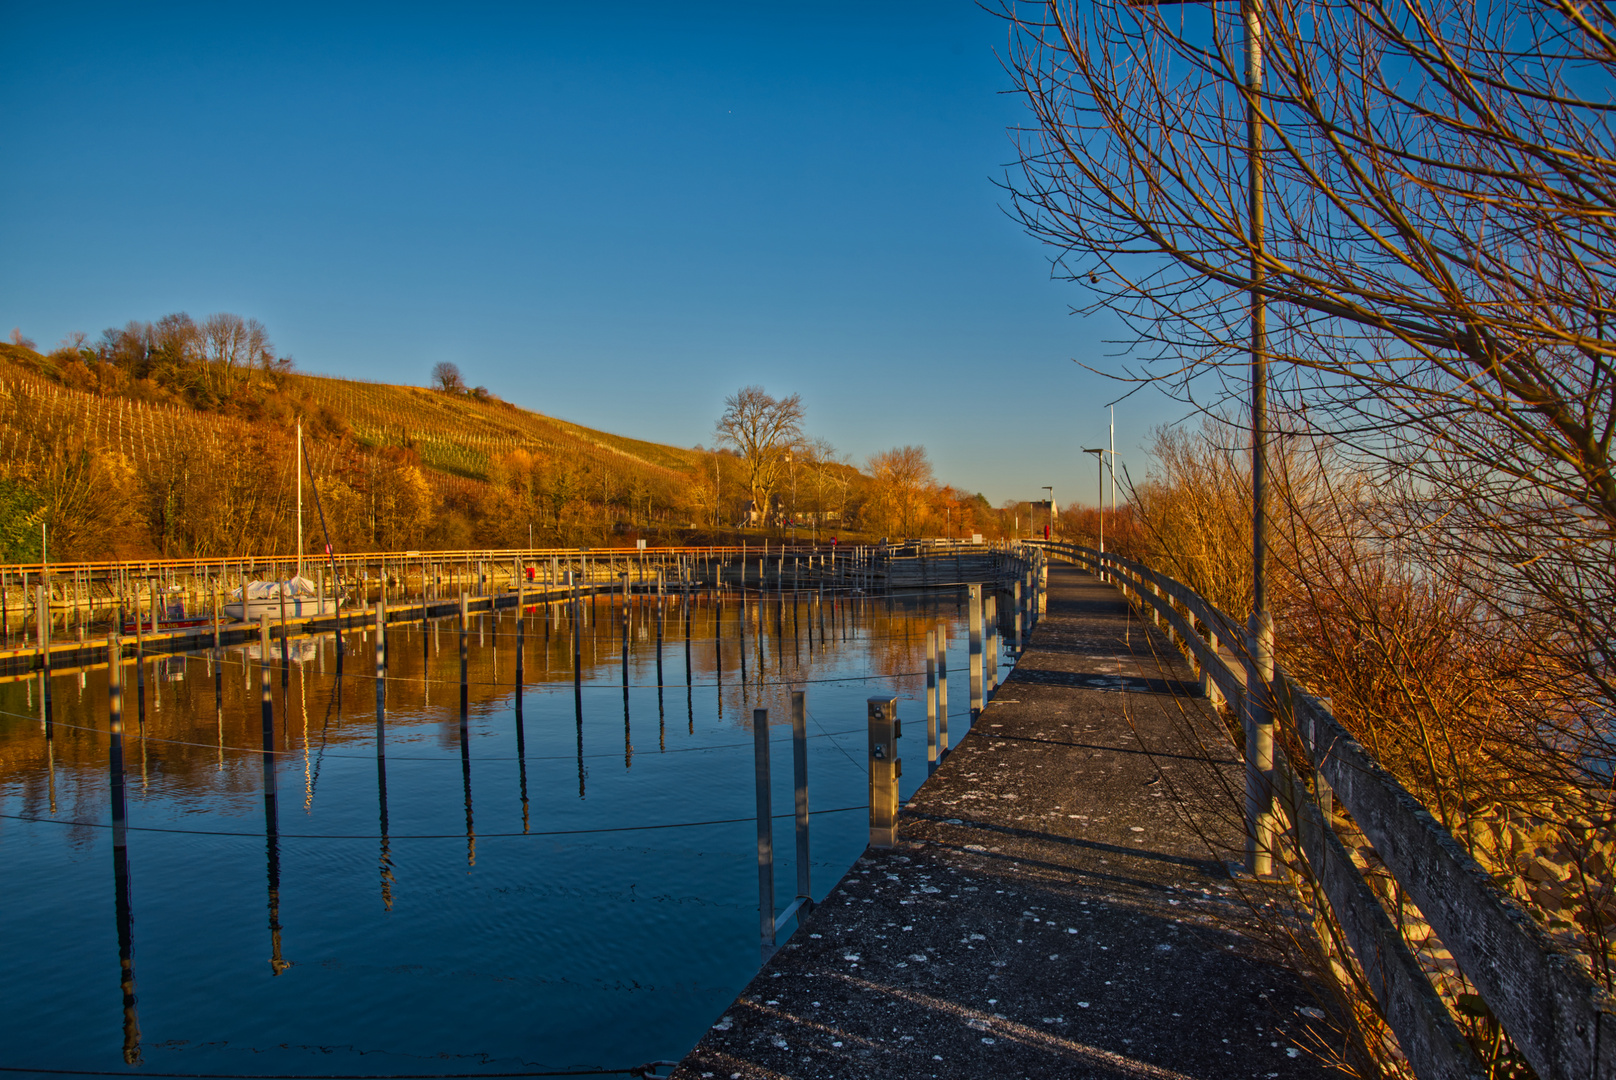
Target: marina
533,851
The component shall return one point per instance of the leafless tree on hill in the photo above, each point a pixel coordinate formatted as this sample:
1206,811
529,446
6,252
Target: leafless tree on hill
446,377
232,347
762,429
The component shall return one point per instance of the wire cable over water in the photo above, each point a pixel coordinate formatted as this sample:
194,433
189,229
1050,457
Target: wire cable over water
646,1070
419,836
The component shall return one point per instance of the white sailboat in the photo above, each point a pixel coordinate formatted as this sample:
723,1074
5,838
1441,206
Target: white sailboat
299,597
259,598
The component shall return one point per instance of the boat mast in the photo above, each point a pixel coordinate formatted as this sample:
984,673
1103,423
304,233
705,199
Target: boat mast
299,471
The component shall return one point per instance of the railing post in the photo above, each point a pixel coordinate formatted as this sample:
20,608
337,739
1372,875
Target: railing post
765,828
885,769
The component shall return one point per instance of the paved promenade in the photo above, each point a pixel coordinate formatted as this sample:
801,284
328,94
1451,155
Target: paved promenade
1060,903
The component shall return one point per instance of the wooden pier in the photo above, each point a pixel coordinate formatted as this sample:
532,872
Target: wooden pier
1059,902
83,602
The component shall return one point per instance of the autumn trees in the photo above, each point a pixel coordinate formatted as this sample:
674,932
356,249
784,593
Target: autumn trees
790,475
123,447
899,482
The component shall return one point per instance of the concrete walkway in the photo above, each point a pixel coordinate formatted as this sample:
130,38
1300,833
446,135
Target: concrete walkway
1060,904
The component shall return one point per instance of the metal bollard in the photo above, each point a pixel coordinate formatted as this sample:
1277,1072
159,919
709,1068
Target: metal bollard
44,662
942,691
521,633
990,646
115,754
1021,615
885,769
977,700
465,686
381,681
266,703
931,701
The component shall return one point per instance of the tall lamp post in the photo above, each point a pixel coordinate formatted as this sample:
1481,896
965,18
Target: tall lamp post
1099,494
1051,530
1258,711
791,464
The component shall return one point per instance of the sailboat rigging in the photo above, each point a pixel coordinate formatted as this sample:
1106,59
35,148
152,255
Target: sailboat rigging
297,596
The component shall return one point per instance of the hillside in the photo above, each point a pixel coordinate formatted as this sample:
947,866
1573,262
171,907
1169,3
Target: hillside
178,437
128,466
464,435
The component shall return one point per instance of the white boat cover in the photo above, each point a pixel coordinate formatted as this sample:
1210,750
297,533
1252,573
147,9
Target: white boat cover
291,588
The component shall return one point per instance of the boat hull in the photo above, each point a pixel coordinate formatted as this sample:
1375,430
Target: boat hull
297,607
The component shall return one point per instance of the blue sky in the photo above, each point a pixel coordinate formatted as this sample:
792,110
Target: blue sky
615,214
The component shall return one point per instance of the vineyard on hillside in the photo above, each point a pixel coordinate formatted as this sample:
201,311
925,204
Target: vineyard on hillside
397,466
465,436
148,443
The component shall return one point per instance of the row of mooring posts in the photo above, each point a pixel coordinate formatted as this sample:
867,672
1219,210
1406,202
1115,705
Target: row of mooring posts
883,726
770,924
884,729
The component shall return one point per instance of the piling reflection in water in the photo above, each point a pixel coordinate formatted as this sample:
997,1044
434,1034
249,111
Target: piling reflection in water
123,909
416,675
200,747
272,841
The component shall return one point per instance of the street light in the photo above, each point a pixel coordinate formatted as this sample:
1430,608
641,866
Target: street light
1099,494
1049,534
1259,711
792,465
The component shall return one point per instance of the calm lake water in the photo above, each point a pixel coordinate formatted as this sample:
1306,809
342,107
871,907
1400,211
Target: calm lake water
488,904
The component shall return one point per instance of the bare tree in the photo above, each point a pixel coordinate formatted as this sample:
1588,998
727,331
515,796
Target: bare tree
1437,256
762,429
232,347
446,377
828,476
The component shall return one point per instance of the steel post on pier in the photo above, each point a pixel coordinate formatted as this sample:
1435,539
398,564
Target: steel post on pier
977,699
885,769
931,701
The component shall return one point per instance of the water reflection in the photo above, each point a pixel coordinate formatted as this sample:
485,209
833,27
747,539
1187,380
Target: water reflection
272,840
123,909
619,922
